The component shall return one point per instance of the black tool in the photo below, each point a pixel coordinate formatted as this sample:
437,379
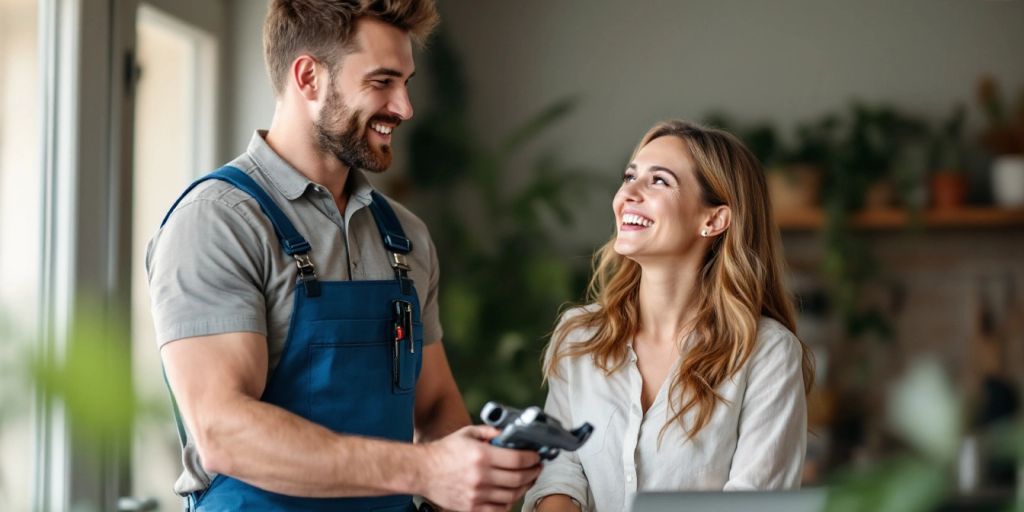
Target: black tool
532,429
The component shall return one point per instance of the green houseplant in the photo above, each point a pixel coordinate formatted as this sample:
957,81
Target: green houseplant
496,226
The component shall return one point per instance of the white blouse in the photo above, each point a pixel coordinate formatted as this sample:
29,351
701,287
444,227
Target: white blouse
755,440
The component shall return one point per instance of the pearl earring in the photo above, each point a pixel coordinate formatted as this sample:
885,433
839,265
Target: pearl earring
704,232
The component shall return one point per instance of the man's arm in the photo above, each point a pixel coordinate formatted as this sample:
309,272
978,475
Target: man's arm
439,407
217,381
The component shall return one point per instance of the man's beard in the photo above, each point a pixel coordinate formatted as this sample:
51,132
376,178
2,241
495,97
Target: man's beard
350,144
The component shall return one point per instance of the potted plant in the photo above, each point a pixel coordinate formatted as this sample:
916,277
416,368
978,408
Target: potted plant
497,239
802,166
871,151
948,184
1004,139
794,182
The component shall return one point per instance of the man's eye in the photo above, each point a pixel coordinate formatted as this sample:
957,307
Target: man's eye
381,83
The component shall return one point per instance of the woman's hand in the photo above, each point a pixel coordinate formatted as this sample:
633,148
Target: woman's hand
557,503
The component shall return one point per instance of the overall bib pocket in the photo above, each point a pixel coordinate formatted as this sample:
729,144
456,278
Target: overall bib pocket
359,361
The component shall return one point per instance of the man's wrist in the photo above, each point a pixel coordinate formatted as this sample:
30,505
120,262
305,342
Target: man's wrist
418,461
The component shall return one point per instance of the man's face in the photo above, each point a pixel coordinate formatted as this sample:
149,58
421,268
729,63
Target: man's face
367,97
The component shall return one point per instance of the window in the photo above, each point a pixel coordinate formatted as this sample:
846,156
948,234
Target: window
21,207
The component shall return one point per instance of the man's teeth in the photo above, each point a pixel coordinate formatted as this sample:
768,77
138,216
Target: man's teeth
381,129
632,218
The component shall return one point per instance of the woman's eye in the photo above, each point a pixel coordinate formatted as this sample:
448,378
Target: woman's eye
628,177
659,181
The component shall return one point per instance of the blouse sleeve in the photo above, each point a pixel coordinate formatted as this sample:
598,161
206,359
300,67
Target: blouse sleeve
773,419
564,474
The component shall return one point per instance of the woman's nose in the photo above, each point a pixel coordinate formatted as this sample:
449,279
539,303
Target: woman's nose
630,191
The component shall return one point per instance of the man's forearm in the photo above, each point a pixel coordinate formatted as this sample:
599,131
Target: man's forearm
278,451
446,416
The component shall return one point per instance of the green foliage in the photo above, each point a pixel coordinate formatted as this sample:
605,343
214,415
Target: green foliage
92,379
90,376
864,148
816,141
495,224
871,151
927,414
760,138
900,485
855,150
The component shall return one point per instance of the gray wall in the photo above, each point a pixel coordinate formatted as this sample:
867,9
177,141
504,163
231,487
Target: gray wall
251,101
785,60
633,63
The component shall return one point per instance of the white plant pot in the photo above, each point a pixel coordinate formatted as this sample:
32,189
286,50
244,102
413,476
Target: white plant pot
1008,181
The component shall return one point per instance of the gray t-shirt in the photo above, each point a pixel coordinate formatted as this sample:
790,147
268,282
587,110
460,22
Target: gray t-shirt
216,266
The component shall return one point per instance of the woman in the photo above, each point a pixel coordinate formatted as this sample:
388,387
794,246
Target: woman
686,363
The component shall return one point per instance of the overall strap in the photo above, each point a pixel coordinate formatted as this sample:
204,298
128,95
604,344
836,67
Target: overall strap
292,242
395,241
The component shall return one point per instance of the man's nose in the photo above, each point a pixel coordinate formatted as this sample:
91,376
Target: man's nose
400,105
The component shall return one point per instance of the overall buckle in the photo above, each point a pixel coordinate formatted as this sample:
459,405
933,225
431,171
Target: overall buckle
307,274
401,266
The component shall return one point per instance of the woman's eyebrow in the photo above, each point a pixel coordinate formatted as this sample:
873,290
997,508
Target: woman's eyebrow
633,166
665,169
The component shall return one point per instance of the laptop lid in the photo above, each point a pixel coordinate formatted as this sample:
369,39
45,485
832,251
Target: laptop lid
805,500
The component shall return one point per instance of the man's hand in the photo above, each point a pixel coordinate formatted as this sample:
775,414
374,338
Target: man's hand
464,472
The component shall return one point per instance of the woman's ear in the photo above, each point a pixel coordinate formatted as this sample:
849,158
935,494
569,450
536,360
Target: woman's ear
717,222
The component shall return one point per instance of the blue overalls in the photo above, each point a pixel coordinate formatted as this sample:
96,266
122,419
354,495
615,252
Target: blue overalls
350,363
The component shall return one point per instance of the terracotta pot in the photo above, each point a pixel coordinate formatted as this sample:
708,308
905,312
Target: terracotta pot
880,195
948,189
794,188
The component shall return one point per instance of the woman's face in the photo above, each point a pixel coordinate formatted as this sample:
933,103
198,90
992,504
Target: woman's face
658,210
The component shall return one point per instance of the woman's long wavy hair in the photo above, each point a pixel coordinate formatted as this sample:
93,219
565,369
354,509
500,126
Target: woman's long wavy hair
741,280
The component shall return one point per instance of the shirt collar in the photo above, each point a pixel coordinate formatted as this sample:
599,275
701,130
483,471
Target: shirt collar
359,187
290,182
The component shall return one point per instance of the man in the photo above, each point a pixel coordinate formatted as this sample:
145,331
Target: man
297,308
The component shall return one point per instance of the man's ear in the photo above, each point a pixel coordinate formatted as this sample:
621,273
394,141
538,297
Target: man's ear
303,77
718,221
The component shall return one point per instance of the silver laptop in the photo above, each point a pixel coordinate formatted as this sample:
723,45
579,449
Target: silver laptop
805,500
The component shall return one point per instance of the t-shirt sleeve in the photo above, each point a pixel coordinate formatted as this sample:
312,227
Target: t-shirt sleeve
205,268
429,313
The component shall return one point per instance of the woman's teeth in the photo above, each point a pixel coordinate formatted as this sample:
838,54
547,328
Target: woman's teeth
634,219
381,129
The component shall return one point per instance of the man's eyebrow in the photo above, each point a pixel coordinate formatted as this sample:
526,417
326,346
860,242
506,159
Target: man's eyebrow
389,72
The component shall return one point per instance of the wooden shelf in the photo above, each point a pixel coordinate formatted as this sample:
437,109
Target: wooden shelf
967,217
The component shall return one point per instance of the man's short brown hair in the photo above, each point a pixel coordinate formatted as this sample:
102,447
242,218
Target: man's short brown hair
320,27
